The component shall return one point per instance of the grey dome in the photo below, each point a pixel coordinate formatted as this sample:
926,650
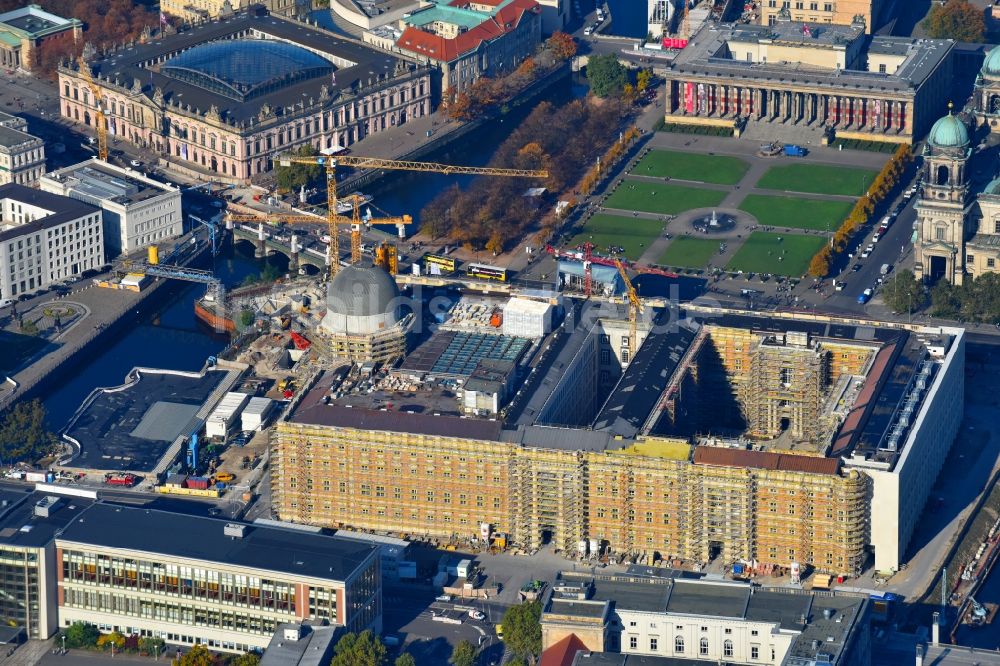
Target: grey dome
361,292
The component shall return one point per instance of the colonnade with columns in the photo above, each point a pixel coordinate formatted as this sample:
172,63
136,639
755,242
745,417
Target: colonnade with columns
724,101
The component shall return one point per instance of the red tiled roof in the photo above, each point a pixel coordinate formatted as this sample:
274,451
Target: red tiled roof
562,653
713,455
439,48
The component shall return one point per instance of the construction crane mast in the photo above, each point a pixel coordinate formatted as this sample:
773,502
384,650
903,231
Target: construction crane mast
102,132
333,222
635,307
330,164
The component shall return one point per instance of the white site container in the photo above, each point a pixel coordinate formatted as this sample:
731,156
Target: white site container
255,414
221,420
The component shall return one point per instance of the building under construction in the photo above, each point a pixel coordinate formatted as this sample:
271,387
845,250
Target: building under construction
765,441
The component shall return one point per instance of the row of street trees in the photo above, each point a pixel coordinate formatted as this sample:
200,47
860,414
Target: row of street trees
881,187
491,212
486,92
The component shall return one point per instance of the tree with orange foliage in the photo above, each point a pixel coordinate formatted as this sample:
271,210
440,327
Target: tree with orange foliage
527,68
561,45
820,264
460,108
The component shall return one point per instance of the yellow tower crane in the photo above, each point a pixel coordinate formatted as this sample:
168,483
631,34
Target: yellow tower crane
102,132
330,164
634,308
333,222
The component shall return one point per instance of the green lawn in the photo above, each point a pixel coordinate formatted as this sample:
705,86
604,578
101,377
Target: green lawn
818,179
662,199
688,252
632,233
719,169
762,252
797,213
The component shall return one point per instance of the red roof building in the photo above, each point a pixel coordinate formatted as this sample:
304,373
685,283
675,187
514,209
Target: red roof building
465,49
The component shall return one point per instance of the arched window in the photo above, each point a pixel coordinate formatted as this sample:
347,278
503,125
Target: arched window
678,644
703,647
942,175
727,648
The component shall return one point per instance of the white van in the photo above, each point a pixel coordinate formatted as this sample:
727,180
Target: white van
885,269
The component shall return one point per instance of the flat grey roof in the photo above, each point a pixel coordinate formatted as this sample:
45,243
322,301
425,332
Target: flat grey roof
92,182
10,137
131,429
313,648
194,537
19,526
64,209
705,56
709,598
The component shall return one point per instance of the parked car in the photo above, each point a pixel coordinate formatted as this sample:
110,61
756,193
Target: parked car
135,163
6,302
865,296
443,597
867,251
839,286
476,615
855,268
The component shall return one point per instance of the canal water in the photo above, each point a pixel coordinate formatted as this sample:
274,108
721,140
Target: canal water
168,336
987,637
628,18
171,337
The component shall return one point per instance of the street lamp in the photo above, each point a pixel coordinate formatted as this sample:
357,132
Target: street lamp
64,643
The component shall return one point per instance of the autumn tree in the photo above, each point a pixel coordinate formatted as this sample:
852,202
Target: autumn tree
561,45
106,23
196,656
460,107
643,79
820,264
405,659
956,19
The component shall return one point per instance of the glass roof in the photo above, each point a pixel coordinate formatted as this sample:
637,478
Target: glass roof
245,68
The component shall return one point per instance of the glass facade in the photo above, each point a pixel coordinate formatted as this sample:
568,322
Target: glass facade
20,589
188,595
246,68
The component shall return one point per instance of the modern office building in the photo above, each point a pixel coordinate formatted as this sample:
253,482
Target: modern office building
138,211
752,440
228,586
701,620
841,12
225,98
22,156
45,238
811,75
465,40
24,30
29,523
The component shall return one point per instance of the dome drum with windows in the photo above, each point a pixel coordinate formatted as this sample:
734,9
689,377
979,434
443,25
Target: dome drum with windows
948,132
